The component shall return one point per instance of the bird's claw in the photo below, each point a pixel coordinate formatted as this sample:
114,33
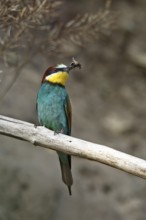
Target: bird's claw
59,131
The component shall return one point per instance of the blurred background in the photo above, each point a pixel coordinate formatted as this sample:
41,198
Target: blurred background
108,101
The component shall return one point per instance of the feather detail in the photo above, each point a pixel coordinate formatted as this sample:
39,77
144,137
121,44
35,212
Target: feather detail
59,77
66,171
68,112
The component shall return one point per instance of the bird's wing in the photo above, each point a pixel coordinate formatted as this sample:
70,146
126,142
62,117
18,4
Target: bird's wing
68,112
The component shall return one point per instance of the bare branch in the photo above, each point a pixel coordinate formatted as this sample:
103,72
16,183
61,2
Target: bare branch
45,138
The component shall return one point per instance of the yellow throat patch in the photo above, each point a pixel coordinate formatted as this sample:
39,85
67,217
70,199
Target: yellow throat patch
59,77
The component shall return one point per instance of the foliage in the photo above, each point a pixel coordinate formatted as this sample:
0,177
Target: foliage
38,21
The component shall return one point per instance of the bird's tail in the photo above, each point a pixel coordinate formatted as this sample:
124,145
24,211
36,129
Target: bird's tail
65,164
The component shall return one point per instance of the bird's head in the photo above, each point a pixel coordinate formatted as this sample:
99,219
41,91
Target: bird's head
58,74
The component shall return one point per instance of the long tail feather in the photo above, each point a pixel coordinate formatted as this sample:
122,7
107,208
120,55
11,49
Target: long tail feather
66,172
69,189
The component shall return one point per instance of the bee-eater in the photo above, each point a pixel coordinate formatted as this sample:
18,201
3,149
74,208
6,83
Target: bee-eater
54,110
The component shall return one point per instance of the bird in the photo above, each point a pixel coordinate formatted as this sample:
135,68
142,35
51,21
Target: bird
54,110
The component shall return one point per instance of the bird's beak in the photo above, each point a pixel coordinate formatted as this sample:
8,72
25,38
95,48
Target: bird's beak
73,65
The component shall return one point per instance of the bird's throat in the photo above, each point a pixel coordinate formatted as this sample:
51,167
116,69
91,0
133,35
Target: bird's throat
58,78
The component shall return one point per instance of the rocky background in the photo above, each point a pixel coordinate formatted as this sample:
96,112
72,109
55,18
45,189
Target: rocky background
109,107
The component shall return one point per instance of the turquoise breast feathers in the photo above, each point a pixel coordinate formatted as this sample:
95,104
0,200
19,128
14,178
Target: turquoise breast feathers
51,111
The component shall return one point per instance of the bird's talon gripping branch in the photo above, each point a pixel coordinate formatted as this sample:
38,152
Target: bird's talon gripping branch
55,133
59,132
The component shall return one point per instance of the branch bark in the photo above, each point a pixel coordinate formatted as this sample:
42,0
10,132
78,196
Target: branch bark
45,138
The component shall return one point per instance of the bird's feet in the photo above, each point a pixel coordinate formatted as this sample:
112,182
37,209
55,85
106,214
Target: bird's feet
59,131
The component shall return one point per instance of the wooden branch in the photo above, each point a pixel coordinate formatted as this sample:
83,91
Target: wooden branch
45,138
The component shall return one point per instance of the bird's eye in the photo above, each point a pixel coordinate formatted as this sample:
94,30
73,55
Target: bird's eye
55,70
52,71
59,69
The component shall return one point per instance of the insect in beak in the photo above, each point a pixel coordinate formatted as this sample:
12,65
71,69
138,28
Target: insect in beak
73,65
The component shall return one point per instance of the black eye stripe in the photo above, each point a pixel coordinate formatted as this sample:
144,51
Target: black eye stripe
54,71
59,69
